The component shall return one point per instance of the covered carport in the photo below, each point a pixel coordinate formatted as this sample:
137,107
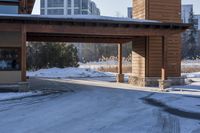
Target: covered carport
89,29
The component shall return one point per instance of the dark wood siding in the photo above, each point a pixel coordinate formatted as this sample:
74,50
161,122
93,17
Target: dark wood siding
138,57
166,11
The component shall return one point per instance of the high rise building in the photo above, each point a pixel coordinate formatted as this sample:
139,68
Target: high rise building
186,10
68,7
130,12
197,21
185,15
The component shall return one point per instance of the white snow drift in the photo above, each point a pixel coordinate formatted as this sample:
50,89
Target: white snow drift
67,73
12,95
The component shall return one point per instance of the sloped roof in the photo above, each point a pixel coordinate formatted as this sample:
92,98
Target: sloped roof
90,19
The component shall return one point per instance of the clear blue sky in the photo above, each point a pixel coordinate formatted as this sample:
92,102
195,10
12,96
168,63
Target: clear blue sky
119,7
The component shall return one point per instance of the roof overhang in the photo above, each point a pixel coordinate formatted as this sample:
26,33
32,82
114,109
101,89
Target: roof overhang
88,28
98,20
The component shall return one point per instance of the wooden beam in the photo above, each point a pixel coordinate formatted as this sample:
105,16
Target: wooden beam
77,39
23,53
91,30
147,56
120,58
164,58
9,3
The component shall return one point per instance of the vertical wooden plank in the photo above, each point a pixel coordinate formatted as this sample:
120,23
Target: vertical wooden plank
164,58
23,53
120,58
146,56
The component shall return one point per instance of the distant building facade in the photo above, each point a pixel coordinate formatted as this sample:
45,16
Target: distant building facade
185,16
197,21
130,12
68,7
185,13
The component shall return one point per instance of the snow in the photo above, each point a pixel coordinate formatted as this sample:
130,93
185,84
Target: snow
78,17
185,103
9,96
92,110
102,64
190,62
67,73
192,75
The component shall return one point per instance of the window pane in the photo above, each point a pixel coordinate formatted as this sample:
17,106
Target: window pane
76,3
55,12
85,4
76,11
4,9
69,3
55,3
9,59
42,12
42,3
84,12
69,12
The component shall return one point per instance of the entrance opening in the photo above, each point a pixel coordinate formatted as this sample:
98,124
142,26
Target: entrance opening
79,61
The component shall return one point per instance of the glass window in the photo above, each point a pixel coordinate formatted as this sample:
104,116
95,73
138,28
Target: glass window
69,11
42,3
85,4
10,59
42,12
76,11
55,11
55,3
84,12
76,3
69,3
5,9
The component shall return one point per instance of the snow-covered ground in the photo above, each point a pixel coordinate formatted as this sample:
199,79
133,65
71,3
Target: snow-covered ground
192,75
109,108
10,96
102,64
100,106
186,63
186,103
68,73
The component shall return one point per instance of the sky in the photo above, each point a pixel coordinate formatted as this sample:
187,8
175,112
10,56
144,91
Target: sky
119,7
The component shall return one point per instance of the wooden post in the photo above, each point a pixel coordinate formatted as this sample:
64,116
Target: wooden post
120,58
164,59
164,82
120,76
23,53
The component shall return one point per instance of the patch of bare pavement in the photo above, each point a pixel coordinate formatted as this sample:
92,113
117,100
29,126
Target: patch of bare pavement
89,107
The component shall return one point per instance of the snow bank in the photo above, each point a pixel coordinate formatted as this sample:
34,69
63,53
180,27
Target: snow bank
190,62
192,75
180,102
67,73
9,96
102,64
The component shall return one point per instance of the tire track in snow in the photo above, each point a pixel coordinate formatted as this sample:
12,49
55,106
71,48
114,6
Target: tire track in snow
165,123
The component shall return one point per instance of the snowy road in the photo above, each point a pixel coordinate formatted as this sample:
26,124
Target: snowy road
89,109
